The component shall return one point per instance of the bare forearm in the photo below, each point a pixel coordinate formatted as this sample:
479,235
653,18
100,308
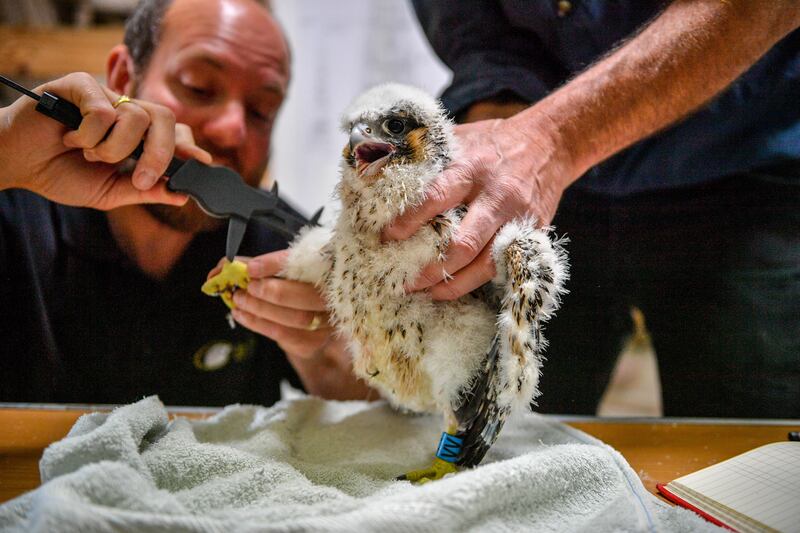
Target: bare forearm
687,55
507,168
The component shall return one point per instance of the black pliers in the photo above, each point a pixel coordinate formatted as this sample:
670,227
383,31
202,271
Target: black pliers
222,193
219,191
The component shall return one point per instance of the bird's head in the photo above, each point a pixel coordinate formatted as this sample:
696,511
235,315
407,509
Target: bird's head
399,138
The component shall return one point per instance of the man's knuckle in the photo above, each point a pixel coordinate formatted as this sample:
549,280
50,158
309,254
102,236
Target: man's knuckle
165,114
428,278
104,114
158,154
259,325
244,319
446,292
459,174
105,153
85,142
83,78
436,193
246,301
279,332
507,190
305,318
256,288
273,291
138,114
468,243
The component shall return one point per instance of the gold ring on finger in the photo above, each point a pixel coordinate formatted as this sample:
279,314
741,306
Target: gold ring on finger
314,324
124,99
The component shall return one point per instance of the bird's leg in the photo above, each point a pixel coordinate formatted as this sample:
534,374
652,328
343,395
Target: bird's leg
445,461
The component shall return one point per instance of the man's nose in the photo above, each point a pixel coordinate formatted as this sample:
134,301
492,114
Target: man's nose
227,128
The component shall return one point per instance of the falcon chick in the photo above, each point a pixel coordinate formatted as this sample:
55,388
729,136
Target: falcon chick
474,359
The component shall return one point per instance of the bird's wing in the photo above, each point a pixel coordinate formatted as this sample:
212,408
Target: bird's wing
479,416
489,294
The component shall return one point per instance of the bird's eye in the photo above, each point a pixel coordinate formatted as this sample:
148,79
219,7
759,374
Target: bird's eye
395,126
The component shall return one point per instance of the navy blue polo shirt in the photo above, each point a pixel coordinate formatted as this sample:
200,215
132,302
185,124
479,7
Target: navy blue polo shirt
82,324
528,49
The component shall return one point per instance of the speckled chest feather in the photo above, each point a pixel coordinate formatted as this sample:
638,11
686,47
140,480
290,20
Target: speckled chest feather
365,289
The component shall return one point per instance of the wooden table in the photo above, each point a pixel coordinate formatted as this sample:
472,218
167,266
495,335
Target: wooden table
659,450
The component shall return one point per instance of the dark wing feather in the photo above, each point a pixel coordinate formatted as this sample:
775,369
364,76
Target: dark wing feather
489,294
479,417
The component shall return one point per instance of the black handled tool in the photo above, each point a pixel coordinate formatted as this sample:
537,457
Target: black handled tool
218,190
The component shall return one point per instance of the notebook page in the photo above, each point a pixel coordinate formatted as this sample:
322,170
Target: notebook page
763,484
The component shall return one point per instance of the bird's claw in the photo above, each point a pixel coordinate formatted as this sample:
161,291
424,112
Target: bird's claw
233,276
437,470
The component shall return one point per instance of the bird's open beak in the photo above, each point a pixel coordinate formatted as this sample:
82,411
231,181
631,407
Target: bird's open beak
371,154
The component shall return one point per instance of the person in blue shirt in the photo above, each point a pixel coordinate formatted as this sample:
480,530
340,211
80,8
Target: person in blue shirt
664,139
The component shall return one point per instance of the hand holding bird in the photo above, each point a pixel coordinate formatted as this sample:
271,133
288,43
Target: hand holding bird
501,177
473,359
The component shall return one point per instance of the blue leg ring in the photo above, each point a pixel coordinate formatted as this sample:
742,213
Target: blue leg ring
449,447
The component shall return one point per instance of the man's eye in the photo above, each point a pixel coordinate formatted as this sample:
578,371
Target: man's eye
200,92
263,116
395,126
258,115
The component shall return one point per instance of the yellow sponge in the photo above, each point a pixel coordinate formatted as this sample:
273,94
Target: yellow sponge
232,277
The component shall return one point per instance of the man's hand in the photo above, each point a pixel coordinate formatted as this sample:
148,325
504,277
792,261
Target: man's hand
79,167
294,315
501,174
291,313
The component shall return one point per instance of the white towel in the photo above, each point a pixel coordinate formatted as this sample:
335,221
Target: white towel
313,465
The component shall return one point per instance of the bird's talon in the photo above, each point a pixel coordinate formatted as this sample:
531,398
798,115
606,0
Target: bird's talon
437,470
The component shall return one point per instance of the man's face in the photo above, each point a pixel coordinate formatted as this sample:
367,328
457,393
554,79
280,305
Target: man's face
222,67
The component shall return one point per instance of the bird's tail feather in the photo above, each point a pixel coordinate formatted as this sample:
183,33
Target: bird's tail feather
532,269
479,417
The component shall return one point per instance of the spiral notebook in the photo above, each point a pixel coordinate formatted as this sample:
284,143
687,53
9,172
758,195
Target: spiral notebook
758,490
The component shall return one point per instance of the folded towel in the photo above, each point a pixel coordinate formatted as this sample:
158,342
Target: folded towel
313,465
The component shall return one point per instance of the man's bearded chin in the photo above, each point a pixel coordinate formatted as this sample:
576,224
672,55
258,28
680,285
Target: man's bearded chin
188,218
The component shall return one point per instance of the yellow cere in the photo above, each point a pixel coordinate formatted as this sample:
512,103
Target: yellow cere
232,277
